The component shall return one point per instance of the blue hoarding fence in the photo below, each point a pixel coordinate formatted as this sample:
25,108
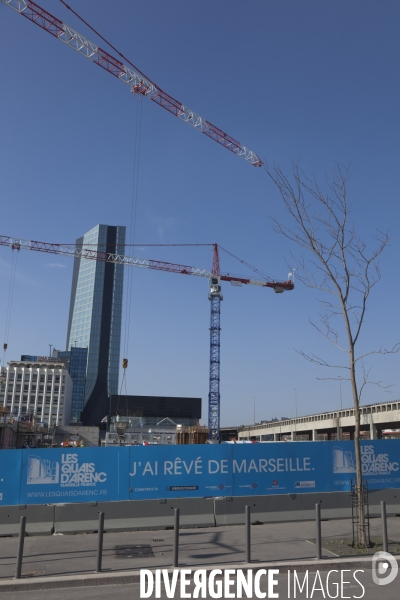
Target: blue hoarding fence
54,476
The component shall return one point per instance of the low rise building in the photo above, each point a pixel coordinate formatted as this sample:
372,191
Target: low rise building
75,361
38,390
151,410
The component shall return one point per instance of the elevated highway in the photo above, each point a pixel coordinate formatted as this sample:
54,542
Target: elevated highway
334,425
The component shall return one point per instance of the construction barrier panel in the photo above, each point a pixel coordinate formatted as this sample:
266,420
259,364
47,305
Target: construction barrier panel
84,475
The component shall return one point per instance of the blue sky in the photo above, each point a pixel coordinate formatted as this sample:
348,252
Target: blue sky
312,80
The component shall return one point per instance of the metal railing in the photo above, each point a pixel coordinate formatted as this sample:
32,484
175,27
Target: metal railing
175,550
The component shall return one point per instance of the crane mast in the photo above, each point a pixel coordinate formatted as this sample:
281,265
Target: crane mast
137,81
215,297
214,397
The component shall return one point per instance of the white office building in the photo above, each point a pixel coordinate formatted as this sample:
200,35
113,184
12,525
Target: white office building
40,389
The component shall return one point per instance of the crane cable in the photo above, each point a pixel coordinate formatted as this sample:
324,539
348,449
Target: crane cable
134,200
135,172
109,44
10,303
120,394
133,217
248,265
132,237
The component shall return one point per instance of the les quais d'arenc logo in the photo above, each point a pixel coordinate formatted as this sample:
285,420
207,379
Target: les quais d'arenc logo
68,473
344,461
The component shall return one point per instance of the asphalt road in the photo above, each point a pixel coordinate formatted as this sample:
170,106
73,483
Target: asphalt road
367,590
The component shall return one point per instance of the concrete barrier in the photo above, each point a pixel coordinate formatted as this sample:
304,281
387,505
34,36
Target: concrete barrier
392,499
290,507
299,507
39,519
135,514
194,512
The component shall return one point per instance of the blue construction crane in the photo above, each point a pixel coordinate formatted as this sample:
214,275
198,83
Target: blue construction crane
215,297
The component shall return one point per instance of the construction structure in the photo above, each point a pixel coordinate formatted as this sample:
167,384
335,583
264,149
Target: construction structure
197,434
130,433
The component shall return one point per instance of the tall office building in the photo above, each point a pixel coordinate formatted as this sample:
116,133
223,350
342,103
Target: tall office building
95,318
76,362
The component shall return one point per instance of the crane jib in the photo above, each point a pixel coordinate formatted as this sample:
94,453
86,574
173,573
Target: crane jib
90,254
139,84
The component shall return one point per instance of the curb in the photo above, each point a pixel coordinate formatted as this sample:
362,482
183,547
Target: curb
107,578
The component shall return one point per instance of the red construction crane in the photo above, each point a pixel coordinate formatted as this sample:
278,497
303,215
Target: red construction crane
215,296
140,84
85,252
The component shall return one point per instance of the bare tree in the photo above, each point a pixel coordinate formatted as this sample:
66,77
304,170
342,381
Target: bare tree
343,268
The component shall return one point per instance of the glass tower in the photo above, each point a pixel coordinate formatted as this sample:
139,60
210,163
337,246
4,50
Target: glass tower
76,358
95,318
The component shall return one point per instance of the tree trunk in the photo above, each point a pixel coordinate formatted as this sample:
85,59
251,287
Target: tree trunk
362,534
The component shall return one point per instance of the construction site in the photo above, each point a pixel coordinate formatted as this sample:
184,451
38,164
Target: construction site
165,417
74,384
